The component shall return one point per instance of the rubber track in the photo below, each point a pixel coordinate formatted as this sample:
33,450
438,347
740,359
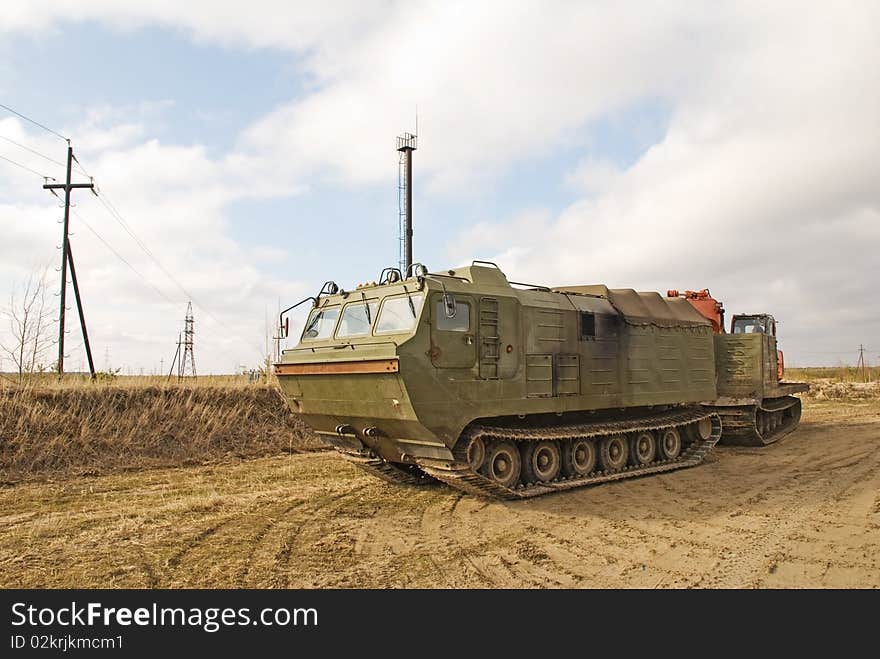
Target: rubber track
741,423
387,471
459,474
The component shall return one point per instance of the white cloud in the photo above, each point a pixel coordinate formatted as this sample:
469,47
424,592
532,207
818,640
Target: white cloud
763,186
174,198
593,176
764,189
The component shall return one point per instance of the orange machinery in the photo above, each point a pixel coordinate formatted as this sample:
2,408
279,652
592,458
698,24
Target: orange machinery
707,305
712,309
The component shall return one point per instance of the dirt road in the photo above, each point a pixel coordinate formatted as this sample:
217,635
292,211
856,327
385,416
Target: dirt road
803,513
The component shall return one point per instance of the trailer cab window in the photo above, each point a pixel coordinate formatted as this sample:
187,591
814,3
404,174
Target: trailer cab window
749,326
399,313
460,322
588,325
320,324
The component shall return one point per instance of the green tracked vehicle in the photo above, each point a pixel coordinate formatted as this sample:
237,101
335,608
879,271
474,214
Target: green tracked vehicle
756,407
503,389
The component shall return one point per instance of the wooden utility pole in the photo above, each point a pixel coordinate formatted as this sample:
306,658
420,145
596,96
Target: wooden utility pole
176,356
65,259
861,366
79,308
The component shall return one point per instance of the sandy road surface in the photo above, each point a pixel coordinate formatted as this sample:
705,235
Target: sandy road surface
805,512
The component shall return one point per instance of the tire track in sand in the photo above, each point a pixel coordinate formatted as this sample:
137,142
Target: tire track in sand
760,557
294,541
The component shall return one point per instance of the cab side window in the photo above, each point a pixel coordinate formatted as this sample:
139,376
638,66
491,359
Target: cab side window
588,325
460,322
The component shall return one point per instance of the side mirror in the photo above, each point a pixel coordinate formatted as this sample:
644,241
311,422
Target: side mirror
284,322
449,305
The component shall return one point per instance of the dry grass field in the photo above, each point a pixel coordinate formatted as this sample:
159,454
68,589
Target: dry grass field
802,513
76,429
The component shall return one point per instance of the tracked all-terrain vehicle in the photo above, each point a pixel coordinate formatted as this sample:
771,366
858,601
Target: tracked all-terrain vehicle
504,389
756,406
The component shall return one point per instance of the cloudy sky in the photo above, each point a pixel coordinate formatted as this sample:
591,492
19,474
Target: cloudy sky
250,148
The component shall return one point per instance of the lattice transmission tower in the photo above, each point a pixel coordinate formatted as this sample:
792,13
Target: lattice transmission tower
188,360
184,358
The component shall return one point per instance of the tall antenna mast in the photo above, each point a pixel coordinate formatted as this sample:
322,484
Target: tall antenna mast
406,144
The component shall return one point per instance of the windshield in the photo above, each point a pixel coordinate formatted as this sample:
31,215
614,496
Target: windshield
320,324
748,325
398,314
357,319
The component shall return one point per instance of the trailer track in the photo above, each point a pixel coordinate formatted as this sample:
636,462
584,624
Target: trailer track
759,425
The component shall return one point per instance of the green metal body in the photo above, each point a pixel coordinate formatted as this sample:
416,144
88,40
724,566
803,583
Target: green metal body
518,353
747,367
755,407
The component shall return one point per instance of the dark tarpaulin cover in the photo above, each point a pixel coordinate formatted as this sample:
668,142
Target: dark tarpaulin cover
643,308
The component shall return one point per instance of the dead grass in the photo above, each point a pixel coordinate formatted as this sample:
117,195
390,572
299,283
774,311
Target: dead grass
833,374
108,380
69,429
838,382
804,512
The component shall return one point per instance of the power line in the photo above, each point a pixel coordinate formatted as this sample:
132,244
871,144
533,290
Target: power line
117,216
111,209
25,167
35,123
34,151
122,258
81,168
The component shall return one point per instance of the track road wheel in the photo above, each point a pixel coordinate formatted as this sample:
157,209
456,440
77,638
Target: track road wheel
541,461
476,453
642,449
704,428
670,444
503,463
578,457
613,453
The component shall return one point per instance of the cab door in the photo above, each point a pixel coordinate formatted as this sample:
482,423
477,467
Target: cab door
453,342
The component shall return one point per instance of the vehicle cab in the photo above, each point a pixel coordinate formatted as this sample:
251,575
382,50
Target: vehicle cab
753,323
350,375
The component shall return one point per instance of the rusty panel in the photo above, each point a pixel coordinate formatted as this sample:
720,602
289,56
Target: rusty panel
325,368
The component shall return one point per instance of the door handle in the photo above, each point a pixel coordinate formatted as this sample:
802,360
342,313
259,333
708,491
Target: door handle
469,339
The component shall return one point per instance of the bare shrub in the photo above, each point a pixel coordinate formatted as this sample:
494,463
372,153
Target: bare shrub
30,324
